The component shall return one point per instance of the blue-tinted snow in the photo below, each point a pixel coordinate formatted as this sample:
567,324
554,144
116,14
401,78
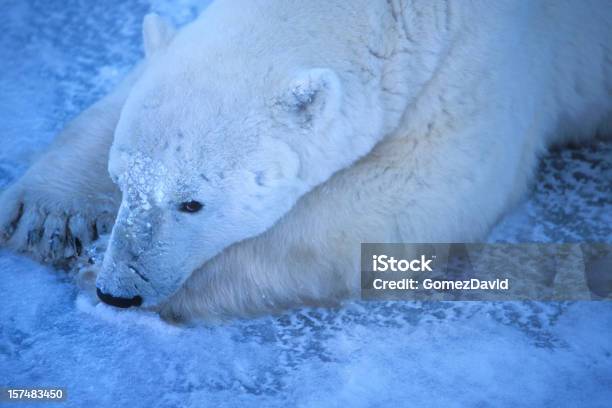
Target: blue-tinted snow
56,57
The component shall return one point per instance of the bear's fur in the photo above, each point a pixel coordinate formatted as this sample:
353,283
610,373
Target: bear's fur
304,129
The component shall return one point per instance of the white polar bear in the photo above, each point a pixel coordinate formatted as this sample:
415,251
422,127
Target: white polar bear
255,149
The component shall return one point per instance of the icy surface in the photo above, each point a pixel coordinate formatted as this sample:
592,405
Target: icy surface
56,57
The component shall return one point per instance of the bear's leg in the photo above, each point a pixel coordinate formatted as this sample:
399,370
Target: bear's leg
66,199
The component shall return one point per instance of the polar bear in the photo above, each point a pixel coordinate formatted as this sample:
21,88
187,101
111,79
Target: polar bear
242,163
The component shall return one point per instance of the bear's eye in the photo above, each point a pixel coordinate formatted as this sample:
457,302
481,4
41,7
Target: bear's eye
191,206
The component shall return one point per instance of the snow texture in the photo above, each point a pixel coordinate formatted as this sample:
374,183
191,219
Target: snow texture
57,57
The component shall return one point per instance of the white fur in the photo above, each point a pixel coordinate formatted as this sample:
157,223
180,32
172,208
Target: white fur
308,127
156,34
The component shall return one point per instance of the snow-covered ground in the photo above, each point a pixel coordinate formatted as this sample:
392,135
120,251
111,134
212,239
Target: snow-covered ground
56,57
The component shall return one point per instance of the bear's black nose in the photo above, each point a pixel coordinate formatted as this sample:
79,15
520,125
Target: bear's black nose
119,301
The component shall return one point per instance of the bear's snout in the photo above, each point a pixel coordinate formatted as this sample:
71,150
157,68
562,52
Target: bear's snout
121,302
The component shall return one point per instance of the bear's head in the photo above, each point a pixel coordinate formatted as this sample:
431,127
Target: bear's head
214,145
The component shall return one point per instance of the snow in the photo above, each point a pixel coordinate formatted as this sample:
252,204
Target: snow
58,57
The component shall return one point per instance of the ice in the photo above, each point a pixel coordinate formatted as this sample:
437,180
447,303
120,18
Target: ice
58,57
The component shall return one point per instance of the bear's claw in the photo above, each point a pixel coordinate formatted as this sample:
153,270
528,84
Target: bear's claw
11,211
39,229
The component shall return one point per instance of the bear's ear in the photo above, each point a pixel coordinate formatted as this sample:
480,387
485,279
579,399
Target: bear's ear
156,33
314,97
